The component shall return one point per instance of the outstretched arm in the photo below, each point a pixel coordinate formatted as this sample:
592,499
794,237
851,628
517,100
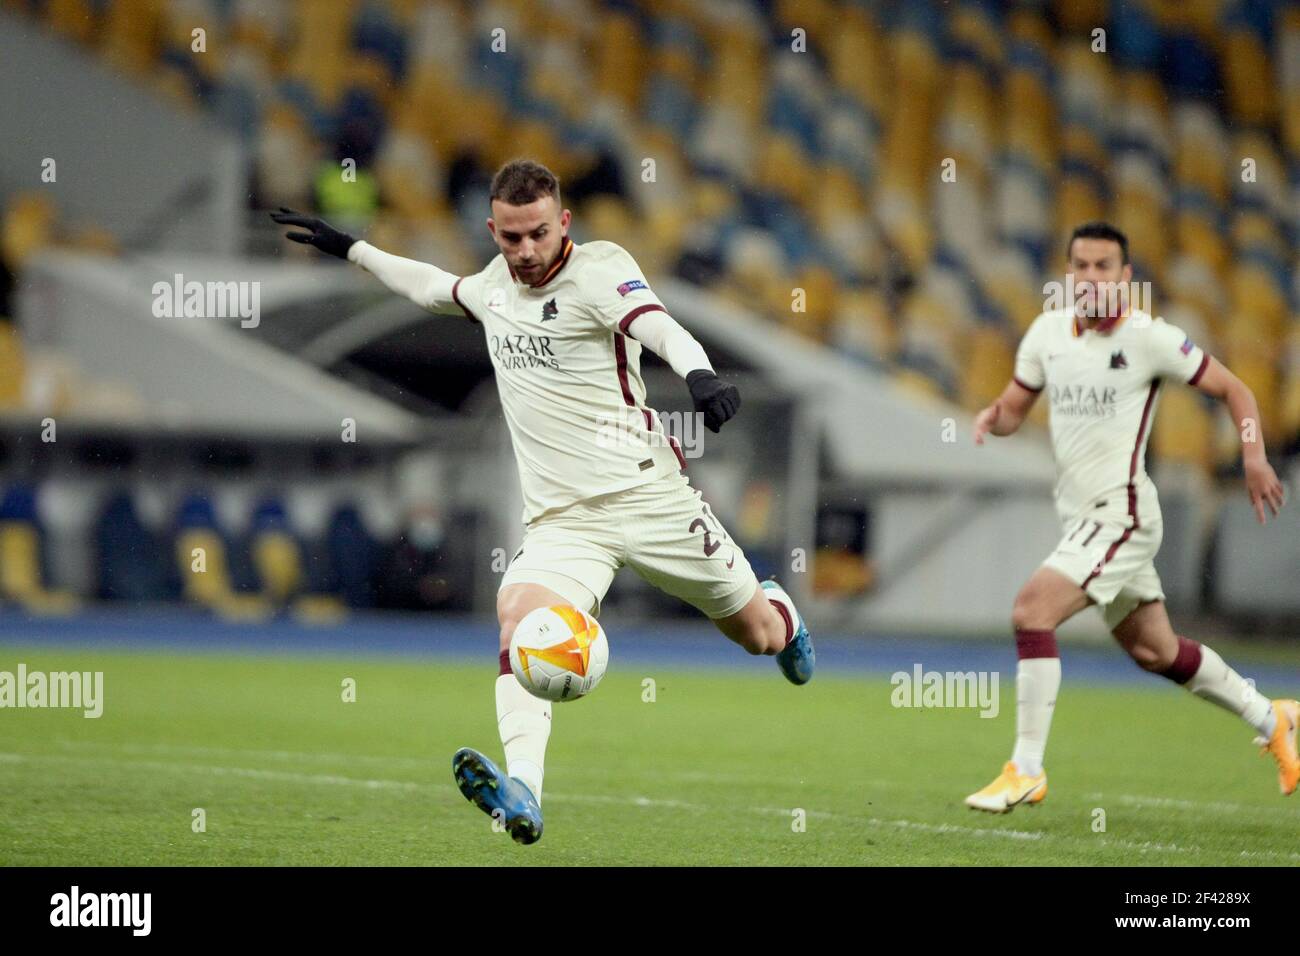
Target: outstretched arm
426,285
1261,481
1007,412
717,400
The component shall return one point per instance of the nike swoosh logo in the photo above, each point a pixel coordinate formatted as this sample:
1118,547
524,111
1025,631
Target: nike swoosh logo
732,561
1028,793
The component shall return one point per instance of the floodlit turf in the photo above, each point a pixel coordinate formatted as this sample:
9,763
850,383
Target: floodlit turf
709,773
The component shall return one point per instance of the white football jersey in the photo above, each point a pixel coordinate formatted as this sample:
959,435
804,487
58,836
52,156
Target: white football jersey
1103,388
569,375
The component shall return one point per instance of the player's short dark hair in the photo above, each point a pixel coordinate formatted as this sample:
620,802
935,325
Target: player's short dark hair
1099,230
522,181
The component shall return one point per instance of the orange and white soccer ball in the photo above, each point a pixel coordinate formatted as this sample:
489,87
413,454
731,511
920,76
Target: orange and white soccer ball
559,653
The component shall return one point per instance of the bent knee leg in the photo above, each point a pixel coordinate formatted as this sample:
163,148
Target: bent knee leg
1154,659
515,602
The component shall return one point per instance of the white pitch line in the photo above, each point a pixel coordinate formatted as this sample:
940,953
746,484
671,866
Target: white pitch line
1171,803
640,801
195,750
697,776
413,763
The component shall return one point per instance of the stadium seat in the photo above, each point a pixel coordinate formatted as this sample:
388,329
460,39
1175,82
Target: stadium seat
12,367
279,561
1182,431
862,327
132,33
203,562
618,50
858,62
22,575
986,368
1247,78
75,19
28,225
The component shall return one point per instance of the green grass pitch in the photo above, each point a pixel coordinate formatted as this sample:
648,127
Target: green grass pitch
710,772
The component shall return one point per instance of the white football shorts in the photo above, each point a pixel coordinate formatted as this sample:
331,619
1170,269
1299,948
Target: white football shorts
663,530
1113,561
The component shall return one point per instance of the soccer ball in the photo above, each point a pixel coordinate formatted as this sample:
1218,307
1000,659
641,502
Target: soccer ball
559,653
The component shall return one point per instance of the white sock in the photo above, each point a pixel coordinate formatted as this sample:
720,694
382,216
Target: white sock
1037,681
524,722
1218,683
776,596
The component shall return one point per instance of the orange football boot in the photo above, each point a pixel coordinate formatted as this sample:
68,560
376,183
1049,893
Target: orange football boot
1282,745
1010,789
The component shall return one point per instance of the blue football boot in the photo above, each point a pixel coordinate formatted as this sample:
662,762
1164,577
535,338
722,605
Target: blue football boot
503,798
798,660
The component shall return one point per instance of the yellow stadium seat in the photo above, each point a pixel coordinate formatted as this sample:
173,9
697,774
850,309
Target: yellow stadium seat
784,169
738,76
1019,301
1205,17
1256,230
1198,237
863,325
1031,126
1255,294
1290,411
819,303
201,556
1194,165
1261,376
205,577
74,19
1291,122
610,218
858,61
1183,429
1290,401
1031,26
978,32
1248,78
619,52
28,225
839,573
819,17
1141,217
1077,16
12,368
1081,143
666,230
987,366
922,386
321,54
20,572
278,562
915,60
1076,201
132,29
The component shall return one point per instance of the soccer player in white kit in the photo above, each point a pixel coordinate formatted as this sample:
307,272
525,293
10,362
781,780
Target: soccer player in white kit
1101,365
602,483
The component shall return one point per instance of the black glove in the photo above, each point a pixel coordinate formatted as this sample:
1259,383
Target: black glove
714,397
323,236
